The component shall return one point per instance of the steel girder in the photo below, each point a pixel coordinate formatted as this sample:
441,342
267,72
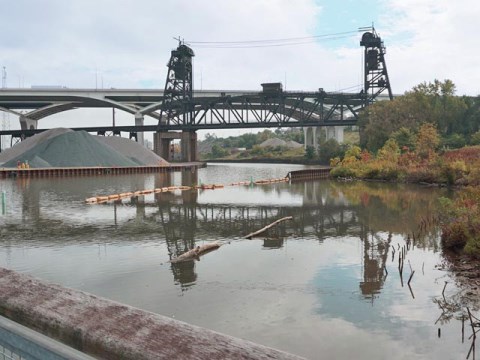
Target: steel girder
283,109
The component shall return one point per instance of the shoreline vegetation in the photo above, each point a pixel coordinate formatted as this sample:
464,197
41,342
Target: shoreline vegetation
427,136
460,169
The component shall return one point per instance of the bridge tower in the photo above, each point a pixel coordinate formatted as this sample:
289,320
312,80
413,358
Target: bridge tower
177,105
375,68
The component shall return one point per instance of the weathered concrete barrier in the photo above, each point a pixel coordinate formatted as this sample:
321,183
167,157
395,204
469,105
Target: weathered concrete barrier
110,330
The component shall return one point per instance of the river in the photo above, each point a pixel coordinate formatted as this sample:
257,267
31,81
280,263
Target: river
324,285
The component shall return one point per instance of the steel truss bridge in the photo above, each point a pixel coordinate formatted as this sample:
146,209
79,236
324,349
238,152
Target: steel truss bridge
178,107
211,109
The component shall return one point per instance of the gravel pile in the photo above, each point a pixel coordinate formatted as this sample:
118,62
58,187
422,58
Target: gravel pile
27,144
132,150
274,142
67,148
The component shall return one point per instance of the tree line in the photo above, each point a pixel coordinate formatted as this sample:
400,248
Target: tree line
457,118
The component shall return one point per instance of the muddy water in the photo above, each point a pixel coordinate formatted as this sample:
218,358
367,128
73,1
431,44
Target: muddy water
325,285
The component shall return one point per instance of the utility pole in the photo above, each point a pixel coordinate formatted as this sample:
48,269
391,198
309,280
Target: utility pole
5,117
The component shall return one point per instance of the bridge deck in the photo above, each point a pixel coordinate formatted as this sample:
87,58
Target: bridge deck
95,170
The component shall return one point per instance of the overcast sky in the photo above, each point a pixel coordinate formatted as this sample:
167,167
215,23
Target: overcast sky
127,43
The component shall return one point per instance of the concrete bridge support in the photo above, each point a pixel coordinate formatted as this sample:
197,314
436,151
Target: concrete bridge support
335,132
188,144
161,144
139,122
27,124
310,134
313,133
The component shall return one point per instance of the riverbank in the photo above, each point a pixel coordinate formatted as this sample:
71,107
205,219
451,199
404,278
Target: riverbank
456,169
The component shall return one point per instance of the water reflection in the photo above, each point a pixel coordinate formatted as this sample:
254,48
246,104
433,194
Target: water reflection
321,210
322,273
375,253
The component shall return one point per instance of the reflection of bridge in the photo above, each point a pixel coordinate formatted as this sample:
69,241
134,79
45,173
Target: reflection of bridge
182,221
176,108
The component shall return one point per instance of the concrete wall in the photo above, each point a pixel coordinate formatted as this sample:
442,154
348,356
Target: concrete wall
110,330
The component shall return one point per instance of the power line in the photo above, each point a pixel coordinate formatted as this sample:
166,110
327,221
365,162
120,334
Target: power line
272,42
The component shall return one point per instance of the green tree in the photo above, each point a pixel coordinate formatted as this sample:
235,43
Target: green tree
309,152
433,103
454,141
248,140
329,150
404,138
218,151
475,138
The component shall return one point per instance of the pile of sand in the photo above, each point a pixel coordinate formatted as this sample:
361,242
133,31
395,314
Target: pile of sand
67,148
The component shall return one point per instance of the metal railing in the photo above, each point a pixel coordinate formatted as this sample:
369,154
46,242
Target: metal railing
20,343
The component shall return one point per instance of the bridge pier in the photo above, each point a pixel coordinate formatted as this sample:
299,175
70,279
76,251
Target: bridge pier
161,144
188,144
139,120
311,135
335,132
27,124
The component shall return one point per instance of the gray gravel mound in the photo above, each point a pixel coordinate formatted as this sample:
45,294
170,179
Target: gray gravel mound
14,152
273,142
71,149
132,150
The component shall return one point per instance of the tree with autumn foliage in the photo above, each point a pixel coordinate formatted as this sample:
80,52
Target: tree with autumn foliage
427,142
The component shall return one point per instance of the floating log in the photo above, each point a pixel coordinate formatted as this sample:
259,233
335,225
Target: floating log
102,198
91,200
197,251
258,232
113,197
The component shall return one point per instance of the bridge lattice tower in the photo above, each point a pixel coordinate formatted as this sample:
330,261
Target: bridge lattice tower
376,78
178,87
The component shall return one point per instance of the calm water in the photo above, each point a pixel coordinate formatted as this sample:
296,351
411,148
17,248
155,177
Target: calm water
316,286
